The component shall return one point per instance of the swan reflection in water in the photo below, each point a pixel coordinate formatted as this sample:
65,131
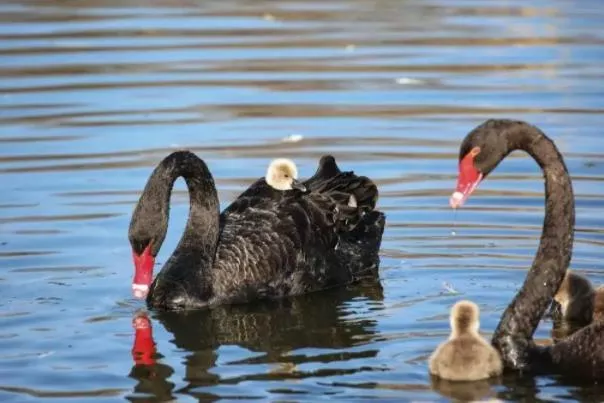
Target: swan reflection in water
274,328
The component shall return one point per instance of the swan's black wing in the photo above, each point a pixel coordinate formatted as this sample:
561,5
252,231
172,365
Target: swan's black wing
257,191
360,226
271,249
302,243
354,198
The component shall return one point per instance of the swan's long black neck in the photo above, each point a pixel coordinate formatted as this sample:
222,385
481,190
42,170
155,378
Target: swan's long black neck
195,252
513,336
200,237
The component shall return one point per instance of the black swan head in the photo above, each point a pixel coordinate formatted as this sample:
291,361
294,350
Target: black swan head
479,154
282,174
146,237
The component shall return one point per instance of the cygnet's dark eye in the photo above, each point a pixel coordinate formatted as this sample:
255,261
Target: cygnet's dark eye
286,175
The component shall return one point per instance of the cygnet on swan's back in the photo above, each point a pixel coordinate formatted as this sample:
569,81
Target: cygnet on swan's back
282,174
280,181
353,194
466,356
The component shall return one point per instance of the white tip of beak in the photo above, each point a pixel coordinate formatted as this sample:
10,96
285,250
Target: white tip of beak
456,199
140,291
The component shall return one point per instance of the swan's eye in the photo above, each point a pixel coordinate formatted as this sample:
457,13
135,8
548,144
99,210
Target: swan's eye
140,245
286,175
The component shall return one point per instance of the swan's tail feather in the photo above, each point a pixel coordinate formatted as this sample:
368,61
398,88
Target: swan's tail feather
348,189
350,200
345,188
327,169
354,199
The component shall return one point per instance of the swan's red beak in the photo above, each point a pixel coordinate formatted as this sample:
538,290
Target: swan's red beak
468,179
143,350
143,273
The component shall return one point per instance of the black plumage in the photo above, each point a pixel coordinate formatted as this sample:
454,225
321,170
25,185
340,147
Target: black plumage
323,178
265,244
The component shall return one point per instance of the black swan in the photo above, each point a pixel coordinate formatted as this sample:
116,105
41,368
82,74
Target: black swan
581,354
466,356
259,247
578,301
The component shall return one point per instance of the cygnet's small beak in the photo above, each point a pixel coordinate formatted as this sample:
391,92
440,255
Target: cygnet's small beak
296,184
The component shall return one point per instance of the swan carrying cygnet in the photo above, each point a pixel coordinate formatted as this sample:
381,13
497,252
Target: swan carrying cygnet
578,301
466,356
267,244
282,174
580,355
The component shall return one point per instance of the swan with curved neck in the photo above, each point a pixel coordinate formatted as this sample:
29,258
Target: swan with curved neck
262,246
149,222
480,152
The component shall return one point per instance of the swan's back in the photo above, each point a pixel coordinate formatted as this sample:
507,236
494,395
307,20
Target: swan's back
275,249
580,355
296,243
324,180
260,189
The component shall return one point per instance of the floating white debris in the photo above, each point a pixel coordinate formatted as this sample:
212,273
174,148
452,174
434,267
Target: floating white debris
449,288
350,47
269,17
292,138
407,81
45,354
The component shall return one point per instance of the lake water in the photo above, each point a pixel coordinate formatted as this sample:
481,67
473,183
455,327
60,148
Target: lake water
93,94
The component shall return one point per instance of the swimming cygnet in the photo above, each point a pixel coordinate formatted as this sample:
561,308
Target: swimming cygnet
282,174
579,301
466,356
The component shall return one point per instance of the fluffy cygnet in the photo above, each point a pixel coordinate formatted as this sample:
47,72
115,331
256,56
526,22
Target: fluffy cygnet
466,356
282,174
579,301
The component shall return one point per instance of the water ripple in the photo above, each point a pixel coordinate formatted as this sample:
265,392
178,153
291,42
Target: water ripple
93,94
